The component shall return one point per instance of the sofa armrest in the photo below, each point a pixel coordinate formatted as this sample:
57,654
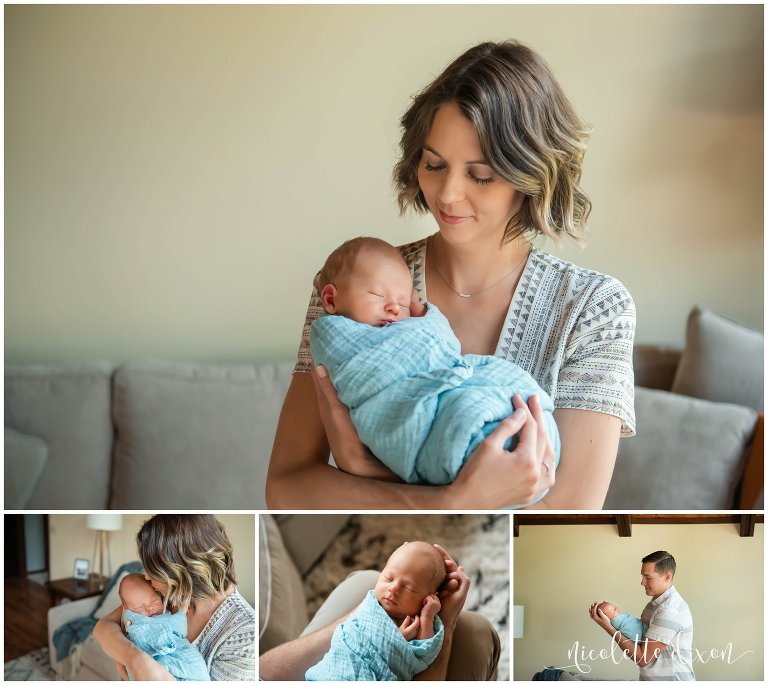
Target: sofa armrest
752,484
307,536
655,365
64,613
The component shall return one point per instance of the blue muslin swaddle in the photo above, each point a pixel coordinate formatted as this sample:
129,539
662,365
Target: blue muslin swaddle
418,404
369,646
629,626
164,638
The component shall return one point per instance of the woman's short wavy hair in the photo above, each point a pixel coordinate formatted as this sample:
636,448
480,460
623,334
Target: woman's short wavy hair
190,553
528,130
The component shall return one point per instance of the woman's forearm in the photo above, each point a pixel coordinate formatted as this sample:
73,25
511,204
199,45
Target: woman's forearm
300,477
115,645
110,636
321,486
589,441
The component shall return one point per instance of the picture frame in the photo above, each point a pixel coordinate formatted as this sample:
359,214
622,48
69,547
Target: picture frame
81,569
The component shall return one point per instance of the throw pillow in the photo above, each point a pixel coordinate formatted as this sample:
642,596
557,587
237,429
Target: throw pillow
282,607
722,361
687,454
25,458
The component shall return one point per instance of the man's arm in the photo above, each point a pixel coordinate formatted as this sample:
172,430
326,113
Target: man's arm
291,660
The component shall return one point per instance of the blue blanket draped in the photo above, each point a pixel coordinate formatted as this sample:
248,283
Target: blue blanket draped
75,632
418,404
369,646
164,638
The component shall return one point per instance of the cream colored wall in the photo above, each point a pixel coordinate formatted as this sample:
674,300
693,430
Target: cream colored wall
176,175
69,539
560,570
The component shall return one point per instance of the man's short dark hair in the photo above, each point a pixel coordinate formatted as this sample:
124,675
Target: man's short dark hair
664,562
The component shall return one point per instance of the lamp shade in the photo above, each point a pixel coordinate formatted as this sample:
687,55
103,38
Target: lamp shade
104,521
517,621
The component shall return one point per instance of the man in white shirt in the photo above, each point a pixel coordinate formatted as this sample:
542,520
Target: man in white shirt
666,651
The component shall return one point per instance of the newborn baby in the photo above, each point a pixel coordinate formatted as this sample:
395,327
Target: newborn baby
417,403
395,633
159,633
627,625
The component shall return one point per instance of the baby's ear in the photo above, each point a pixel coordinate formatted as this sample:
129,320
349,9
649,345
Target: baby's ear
328,297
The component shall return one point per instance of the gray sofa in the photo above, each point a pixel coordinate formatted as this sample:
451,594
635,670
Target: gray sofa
165,435
143,435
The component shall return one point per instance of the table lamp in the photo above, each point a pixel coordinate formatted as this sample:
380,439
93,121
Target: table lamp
102,524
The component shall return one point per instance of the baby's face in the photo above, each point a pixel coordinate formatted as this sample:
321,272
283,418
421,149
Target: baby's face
610,610
407,579
140,596
376,291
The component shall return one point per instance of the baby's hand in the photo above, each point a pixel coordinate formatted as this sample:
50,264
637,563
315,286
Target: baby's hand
417,308
409,628
427,617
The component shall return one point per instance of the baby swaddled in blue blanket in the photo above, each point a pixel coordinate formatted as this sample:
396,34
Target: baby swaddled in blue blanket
162,635
629,626
417,403
395,633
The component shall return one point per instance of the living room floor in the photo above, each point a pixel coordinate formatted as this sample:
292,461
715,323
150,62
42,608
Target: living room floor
26,617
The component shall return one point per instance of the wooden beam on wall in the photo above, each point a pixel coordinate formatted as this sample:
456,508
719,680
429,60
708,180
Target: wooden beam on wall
747,525
624,524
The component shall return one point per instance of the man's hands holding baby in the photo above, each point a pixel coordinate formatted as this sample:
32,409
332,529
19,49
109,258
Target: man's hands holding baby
421,627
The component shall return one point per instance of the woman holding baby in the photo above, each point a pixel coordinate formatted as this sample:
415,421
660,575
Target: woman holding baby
493,150
188,559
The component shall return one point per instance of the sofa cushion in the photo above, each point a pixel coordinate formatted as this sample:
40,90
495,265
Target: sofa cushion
687,454
25,457
282,606
192,436
306,536
722,361
67,406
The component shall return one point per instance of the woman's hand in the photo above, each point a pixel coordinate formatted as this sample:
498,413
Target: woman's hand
350,455
454,590
494,478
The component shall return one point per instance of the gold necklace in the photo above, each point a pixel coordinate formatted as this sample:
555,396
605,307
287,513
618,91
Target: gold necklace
493,285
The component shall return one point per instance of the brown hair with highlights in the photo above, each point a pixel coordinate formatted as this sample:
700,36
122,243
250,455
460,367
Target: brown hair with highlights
190,553
529,134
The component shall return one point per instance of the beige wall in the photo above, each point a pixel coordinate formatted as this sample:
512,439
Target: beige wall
174,176
69,539
560,570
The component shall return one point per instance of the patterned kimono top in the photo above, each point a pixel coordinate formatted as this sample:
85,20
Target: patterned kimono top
572,329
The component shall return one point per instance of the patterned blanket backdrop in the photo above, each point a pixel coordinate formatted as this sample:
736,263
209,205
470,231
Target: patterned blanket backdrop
478,542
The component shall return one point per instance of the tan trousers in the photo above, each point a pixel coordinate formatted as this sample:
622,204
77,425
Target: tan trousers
476,647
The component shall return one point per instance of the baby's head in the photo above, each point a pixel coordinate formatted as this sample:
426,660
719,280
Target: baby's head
366,280
610,610
137,594
415,570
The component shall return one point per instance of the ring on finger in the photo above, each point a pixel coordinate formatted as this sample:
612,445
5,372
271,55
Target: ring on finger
546,466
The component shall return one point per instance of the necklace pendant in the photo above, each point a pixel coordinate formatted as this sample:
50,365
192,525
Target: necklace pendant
463,294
